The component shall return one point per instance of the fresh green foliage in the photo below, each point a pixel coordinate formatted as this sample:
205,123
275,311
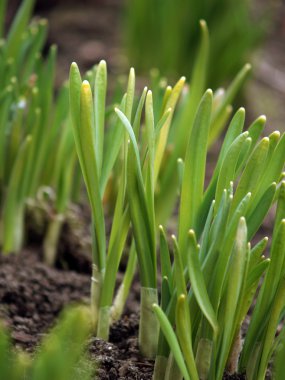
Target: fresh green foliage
60,355
211,284
138,160
97,160
177,138
36,135
174,28
133,169
278,365
132,153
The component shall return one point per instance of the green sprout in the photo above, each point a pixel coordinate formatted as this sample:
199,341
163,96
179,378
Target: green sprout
96,160
132,152
209,288
96,166
36,134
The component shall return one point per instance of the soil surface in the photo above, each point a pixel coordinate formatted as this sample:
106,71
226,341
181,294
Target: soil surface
32,296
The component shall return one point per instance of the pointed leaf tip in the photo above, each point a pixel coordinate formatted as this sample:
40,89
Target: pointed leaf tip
182,297
276,133
247,66
85,86
262,118
103,62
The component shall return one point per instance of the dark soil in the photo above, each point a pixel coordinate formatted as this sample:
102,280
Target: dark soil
32,296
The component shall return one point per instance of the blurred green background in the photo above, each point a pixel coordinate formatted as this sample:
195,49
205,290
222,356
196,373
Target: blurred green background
165,34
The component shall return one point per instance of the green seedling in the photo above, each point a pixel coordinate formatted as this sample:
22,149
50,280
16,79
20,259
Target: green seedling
209,288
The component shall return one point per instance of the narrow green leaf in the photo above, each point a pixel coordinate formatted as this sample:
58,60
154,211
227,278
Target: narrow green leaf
140,217
256,128
256,217
179,279
264,301
113,143
130,94
276,310
234,130
197,282
165,262
197,88
228,98
137,120
100,89
90,171
75,83
194,171
13,208
280,211
206,232
131,134
228,166
252,172
236,279
172,340
163,121
19,25
183,331
273,169
164,132
163,348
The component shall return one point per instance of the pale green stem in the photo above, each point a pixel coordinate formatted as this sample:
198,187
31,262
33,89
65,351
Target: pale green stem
172,370
96,285
149,326
123,291
252,367
160,367
13,232
51,239
103,327
203,358
232,365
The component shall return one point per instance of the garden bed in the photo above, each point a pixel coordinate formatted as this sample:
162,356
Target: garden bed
32,295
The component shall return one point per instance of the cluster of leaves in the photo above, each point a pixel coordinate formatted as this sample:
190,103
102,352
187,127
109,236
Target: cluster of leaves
133,155
137,163
174,28
36,135
61,355
212,282
209,287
